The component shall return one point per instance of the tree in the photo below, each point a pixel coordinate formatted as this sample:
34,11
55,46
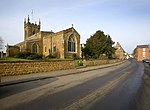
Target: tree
98,45
85,52
1,43
134,53
109,51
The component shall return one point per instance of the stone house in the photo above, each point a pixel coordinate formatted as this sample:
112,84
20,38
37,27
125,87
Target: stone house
62,44
119,53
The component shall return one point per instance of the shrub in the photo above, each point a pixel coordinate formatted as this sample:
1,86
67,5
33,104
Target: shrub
23,55
79,63
74,56
19,55
35,57
28,55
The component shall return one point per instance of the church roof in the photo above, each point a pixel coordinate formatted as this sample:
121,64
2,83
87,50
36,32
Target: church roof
67,30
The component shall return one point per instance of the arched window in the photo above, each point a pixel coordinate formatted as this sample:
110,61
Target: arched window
33,32
34,48
54,48
71,44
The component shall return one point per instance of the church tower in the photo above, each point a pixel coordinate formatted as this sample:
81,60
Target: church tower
30,28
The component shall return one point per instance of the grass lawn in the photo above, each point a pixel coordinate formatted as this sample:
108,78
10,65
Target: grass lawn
57,59
13,59
19,59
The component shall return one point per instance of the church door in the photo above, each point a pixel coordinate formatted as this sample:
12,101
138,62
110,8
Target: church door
34,48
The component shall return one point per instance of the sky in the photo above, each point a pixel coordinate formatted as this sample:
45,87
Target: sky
126,21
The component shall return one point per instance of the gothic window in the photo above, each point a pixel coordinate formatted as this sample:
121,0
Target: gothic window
33,32
71,44
34,48
54,48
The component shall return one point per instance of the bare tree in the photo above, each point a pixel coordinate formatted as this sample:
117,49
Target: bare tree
1,43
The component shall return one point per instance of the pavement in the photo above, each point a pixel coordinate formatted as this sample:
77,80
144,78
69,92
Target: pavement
10,80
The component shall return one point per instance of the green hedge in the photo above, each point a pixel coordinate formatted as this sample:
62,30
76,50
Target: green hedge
28,55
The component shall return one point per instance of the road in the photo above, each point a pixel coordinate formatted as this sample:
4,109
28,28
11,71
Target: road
113,88
16,88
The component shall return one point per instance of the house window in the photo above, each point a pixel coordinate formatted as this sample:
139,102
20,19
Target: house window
71,44
144,54
144,49
34,48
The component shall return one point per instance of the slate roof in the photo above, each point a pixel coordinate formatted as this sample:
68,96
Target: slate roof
142,46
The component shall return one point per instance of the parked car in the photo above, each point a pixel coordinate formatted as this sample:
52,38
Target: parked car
146,61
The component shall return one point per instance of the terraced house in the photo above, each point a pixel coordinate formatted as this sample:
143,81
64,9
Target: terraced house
62,44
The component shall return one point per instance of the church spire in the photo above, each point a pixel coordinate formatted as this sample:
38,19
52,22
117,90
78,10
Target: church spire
39,22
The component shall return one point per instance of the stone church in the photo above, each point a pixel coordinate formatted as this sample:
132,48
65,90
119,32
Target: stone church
62,44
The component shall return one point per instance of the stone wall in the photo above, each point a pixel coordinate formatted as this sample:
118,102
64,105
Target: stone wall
12,50
28,67
98,62
8,68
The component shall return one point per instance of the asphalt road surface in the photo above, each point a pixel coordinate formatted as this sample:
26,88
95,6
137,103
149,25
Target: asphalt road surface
125,96
113,88
6,91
